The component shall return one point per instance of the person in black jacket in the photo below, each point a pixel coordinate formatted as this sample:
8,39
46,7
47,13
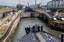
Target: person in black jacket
38,28
41,28
27,29
33,29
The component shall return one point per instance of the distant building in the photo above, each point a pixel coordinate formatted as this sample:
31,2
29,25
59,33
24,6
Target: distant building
55,4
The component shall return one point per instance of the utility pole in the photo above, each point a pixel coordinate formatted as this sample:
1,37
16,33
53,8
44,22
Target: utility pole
41,2
27,2
35,2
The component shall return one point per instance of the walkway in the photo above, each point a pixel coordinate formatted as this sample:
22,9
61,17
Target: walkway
40,37
28,38
32,21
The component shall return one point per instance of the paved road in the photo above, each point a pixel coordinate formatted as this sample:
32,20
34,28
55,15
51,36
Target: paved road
28,38
48,37
32,21
40,37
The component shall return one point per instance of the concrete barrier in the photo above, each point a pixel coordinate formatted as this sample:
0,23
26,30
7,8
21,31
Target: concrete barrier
8,23
12,30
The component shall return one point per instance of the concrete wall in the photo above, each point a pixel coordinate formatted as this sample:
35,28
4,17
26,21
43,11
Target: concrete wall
1,15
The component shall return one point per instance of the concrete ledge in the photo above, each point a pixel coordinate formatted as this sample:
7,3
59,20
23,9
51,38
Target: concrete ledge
9,24
12,30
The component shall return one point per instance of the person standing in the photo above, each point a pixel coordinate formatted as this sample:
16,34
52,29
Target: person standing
27,29
33,29
41,28
38,28
62,35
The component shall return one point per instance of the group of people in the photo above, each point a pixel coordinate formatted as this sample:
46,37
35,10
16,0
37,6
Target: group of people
34,29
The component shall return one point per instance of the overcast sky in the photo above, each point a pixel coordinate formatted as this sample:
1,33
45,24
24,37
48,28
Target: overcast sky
14,2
